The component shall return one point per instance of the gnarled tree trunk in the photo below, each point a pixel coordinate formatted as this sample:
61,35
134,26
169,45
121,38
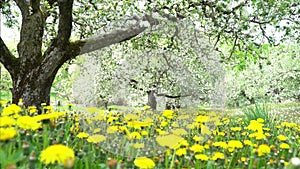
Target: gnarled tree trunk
33,71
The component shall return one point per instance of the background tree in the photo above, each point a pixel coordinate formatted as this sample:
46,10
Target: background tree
47,25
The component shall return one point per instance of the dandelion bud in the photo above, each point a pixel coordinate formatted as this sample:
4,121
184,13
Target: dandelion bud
25,147
32,160
11,166
112,163
69,163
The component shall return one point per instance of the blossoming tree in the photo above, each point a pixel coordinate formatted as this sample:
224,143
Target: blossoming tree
54,31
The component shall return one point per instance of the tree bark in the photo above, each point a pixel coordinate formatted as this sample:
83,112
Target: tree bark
152,99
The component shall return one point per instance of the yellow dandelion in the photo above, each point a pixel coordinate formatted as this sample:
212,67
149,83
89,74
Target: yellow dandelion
144,163
7,121
7,133
201,157
197,148
263,149
56,154
218,155
236,128
11,110
82,135
284,146
27,122
97,138
179,132
168,114
181,152
170,141
282,138
221,144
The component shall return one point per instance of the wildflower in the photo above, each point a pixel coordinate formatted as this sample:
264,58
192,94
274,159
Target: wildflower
170,141
197,148
163,123
7,121
236,128
138,145
92,110
243,159
144,133
82,135
220,144
263,149
168,114
248,142
202,119
7,133
284,146
197,138
144,163
179,132
181,151
281,138
112,129
205,130
202,157
183,142
27,122
146,107
32,109
235,144
218,155
161,132
96,130
255,126
56,153
11,110
135,135
260,120
96,138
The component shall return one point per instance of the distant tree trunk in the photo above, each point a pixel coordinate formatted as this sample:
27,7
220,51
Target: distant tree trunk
152,99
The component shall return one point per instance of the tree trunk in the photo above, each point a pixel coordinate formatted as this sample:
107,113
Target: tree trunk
152,99
32,87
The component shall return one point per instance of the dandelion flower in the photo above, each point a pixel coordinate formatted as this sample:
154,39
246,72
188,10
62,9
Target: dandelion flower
7,133
170,141
197,148
7,121
284,146
144,163
168,114
11,110
202,157
263,149
281,138
97,138
82,135
218,155
181,151
56,154
220,144
27,122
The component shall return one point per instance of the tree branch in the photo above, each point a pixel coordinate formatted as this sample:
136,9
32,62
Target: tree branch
113,37
23,6
9,61
65,21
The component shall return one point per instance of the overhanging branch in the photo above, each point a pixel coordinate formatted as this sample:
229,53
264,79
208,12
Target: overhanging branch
113,37
9,61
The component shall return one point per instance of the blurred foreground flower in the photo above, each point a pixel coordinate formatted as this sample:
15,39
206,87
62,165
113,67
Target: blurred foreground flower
144,163
57,154
7,133
27,122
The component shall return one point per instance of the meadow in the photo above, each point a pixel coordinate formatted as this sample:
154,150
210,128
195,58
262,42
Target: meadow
66,137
